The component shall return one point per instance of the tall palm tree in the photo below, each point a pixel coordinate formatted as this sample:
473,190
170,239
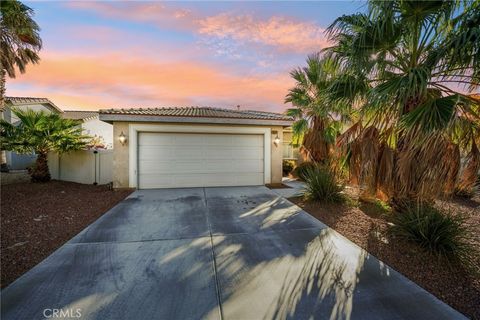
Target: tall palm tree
19,45
419,59
317,121
41,132
19,40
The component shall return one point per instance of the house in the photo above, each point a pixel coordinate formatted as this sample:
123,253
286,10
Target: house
290,151
93,126
14,160
195,147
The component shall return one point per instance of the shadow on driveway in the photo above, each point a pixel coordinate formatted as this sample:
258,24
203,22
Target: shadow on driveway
232,253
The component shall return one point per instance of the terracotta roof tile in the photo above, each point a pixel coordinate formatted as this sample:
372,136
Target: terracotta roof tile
79,114
199,112
27,100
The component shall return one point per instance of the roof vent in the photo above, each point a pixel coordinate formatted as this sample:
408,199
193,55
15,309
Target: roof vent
238,107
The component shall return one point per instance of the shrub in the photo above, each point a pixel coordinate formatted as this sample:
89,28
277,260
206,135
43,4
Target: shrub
440,232
301,169
287,167
322,185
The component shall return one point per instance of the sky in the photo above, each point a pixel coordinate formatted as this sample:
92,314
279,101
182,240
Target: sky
113,54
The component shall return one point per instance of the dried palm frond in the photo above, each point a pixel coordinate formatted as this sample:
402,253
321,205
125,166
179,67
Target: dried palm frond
369,145
452,161
314,141
350,134
471,172
423,166
385,171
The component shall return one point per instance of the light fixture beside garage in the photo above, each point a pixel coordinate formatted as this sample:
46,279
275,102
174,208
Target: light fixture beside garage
122,138
276,141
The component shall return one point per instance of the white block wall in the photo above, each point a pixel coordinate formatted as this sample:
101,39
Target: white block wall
82,166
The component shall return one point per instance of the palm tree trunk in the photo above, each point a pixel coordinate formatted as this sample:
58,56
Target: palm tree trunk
3,163
40,172
314,141
3,76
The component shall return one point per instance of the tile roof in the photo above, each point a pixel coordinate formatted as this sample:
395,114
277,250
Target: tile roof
199,112
28,100
79,114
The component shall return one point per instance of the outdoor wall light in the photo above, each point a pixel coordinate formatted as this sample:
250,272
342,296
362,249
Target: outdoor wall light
276,141
122,138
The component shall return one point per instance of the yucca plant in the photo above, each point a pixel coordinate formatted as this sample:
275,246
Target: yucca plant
410,64
301,170
441,233
41,132
321,185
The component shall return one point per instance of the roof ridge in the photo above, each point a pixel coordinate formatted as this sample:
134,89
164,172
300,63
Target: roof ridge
12,97
80,111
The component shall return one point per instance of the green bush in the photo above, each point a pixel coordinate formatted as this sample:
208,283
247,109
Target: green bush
439,232
322,185
287,167
301,169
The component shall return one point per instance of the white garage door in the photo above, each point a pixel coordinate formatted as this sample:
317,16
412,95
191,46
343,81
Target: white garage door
178,160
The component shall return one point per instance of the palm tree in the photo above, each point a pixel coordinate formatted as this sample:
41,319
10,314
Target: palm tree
317,121
418,59
41,132
19,45
19,40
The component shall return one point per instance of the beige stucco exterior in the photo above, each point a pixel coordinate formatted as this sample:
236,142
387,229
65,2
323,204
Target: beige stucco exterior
121,152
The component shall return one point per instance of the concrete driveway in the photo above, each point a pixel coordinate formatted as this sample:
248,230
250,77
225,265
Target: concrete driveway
217,253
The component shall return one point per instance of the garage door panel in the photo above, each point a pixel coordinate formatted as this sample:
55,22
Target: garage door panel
211,166
154,139
205,180
234,153
149,153
248,141
175,160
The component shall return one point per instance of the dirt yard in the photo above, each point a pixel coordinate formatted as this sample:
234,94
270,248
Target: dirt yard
37,218
367,224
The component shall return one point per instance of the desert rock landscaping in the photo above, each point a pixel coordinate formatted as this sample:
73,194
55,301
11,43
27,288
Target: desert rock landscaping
37,218
368,225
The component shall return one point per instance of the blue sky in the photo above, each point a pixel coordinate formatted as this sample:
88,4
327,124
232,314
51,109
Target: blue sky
151,54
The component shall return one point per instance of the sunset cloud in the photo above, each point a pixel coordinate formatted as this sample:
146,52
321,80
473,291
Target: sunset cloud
120,81
276,31
148,54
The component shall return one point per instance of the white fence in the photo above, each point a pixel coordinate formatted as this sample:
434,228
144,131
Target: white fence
84,166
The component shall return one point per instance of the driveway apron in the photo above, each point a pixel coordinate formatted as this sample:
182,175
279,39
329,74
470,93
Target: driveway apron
214,253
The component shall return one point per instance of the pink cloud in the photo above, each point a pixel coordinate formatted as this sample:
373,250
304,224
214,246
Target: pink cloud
284,32
150,12
280,32
115,80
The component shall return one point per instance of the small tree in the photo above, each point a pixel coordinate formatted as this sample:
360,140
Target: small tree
41,132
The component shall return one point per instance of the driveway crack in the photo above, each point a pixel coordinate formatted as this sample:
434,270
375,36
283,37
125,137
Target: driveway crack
214,260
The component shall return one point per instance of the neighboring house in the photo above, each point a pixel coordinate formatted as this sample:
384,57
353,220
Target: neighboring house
14,160
195,147
93,126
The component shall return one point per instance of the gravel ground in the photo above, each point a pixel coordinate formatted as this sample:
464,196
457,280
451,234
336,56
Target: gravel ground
367,225
37,218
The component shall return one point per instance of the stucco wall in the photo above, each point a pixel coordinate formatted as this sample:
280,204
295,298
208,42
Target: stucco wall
82,166
95,127
120,154
277,155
